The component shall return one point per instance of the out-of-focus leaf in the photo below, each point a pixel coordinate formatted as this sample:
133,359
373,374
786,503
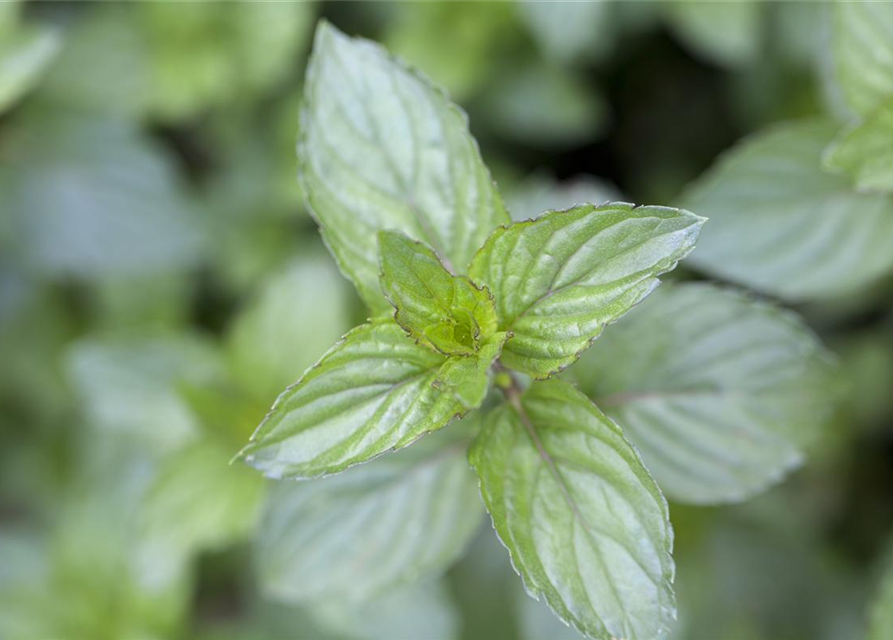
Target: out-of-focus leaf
862,48
867,370
456,44
881,613
727,32
586,526
374,391
720,392
205,54
559,279
421,610
448,313
568,31
129,386
295,316
86,77
101,578
359,534
781,225
865,151
200,502
25,52
380,148
540,192
93,197
543,106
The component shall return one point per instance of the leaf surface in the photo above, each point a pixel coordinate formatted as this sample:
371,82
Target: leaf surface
719,392
862,46
381,148
781,225
376,390
446,312
586,526
559,279
865,151
367,531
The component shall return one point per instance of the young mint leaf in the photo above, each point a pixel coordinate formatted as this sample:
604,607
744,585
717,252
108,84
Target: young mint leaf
559,279
380,148
357,535
446,312
586,526
376,390
865,151
721,402
781,225
862,48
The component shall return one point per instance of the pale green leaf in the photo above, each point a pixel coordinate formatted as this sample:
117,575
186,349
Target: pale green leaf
586,526
380,148
727,31
200,502
541,192
719,392
130,386
881,612
296,315
865,151
93,197
364,532
862,48
781,225
25,54
423,610
449,313
559,279
568,31
376,390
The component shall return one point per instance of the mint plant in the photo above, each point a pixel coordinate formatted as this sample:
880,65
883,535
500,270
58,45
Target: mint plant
463,301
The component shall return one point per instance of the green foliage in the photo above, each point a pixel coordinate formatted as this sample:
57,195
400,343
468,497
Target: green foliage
559,279
721,403
587,527
25,53
414,512
826,238
881,614
446,312
162,279
380,148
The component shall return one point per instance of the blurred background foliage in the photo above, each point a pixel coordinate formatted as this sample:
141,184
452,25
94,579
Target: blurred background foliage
161,282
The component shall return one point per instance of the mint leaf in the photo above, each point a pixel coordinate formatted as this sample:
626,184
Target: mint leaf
446,312
780,225
727,33
569,31
559,279
93,197
376,390
418,610
274,339
25,53
865,151
199,502
381,148
721,403
586,526
862,48
414,512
